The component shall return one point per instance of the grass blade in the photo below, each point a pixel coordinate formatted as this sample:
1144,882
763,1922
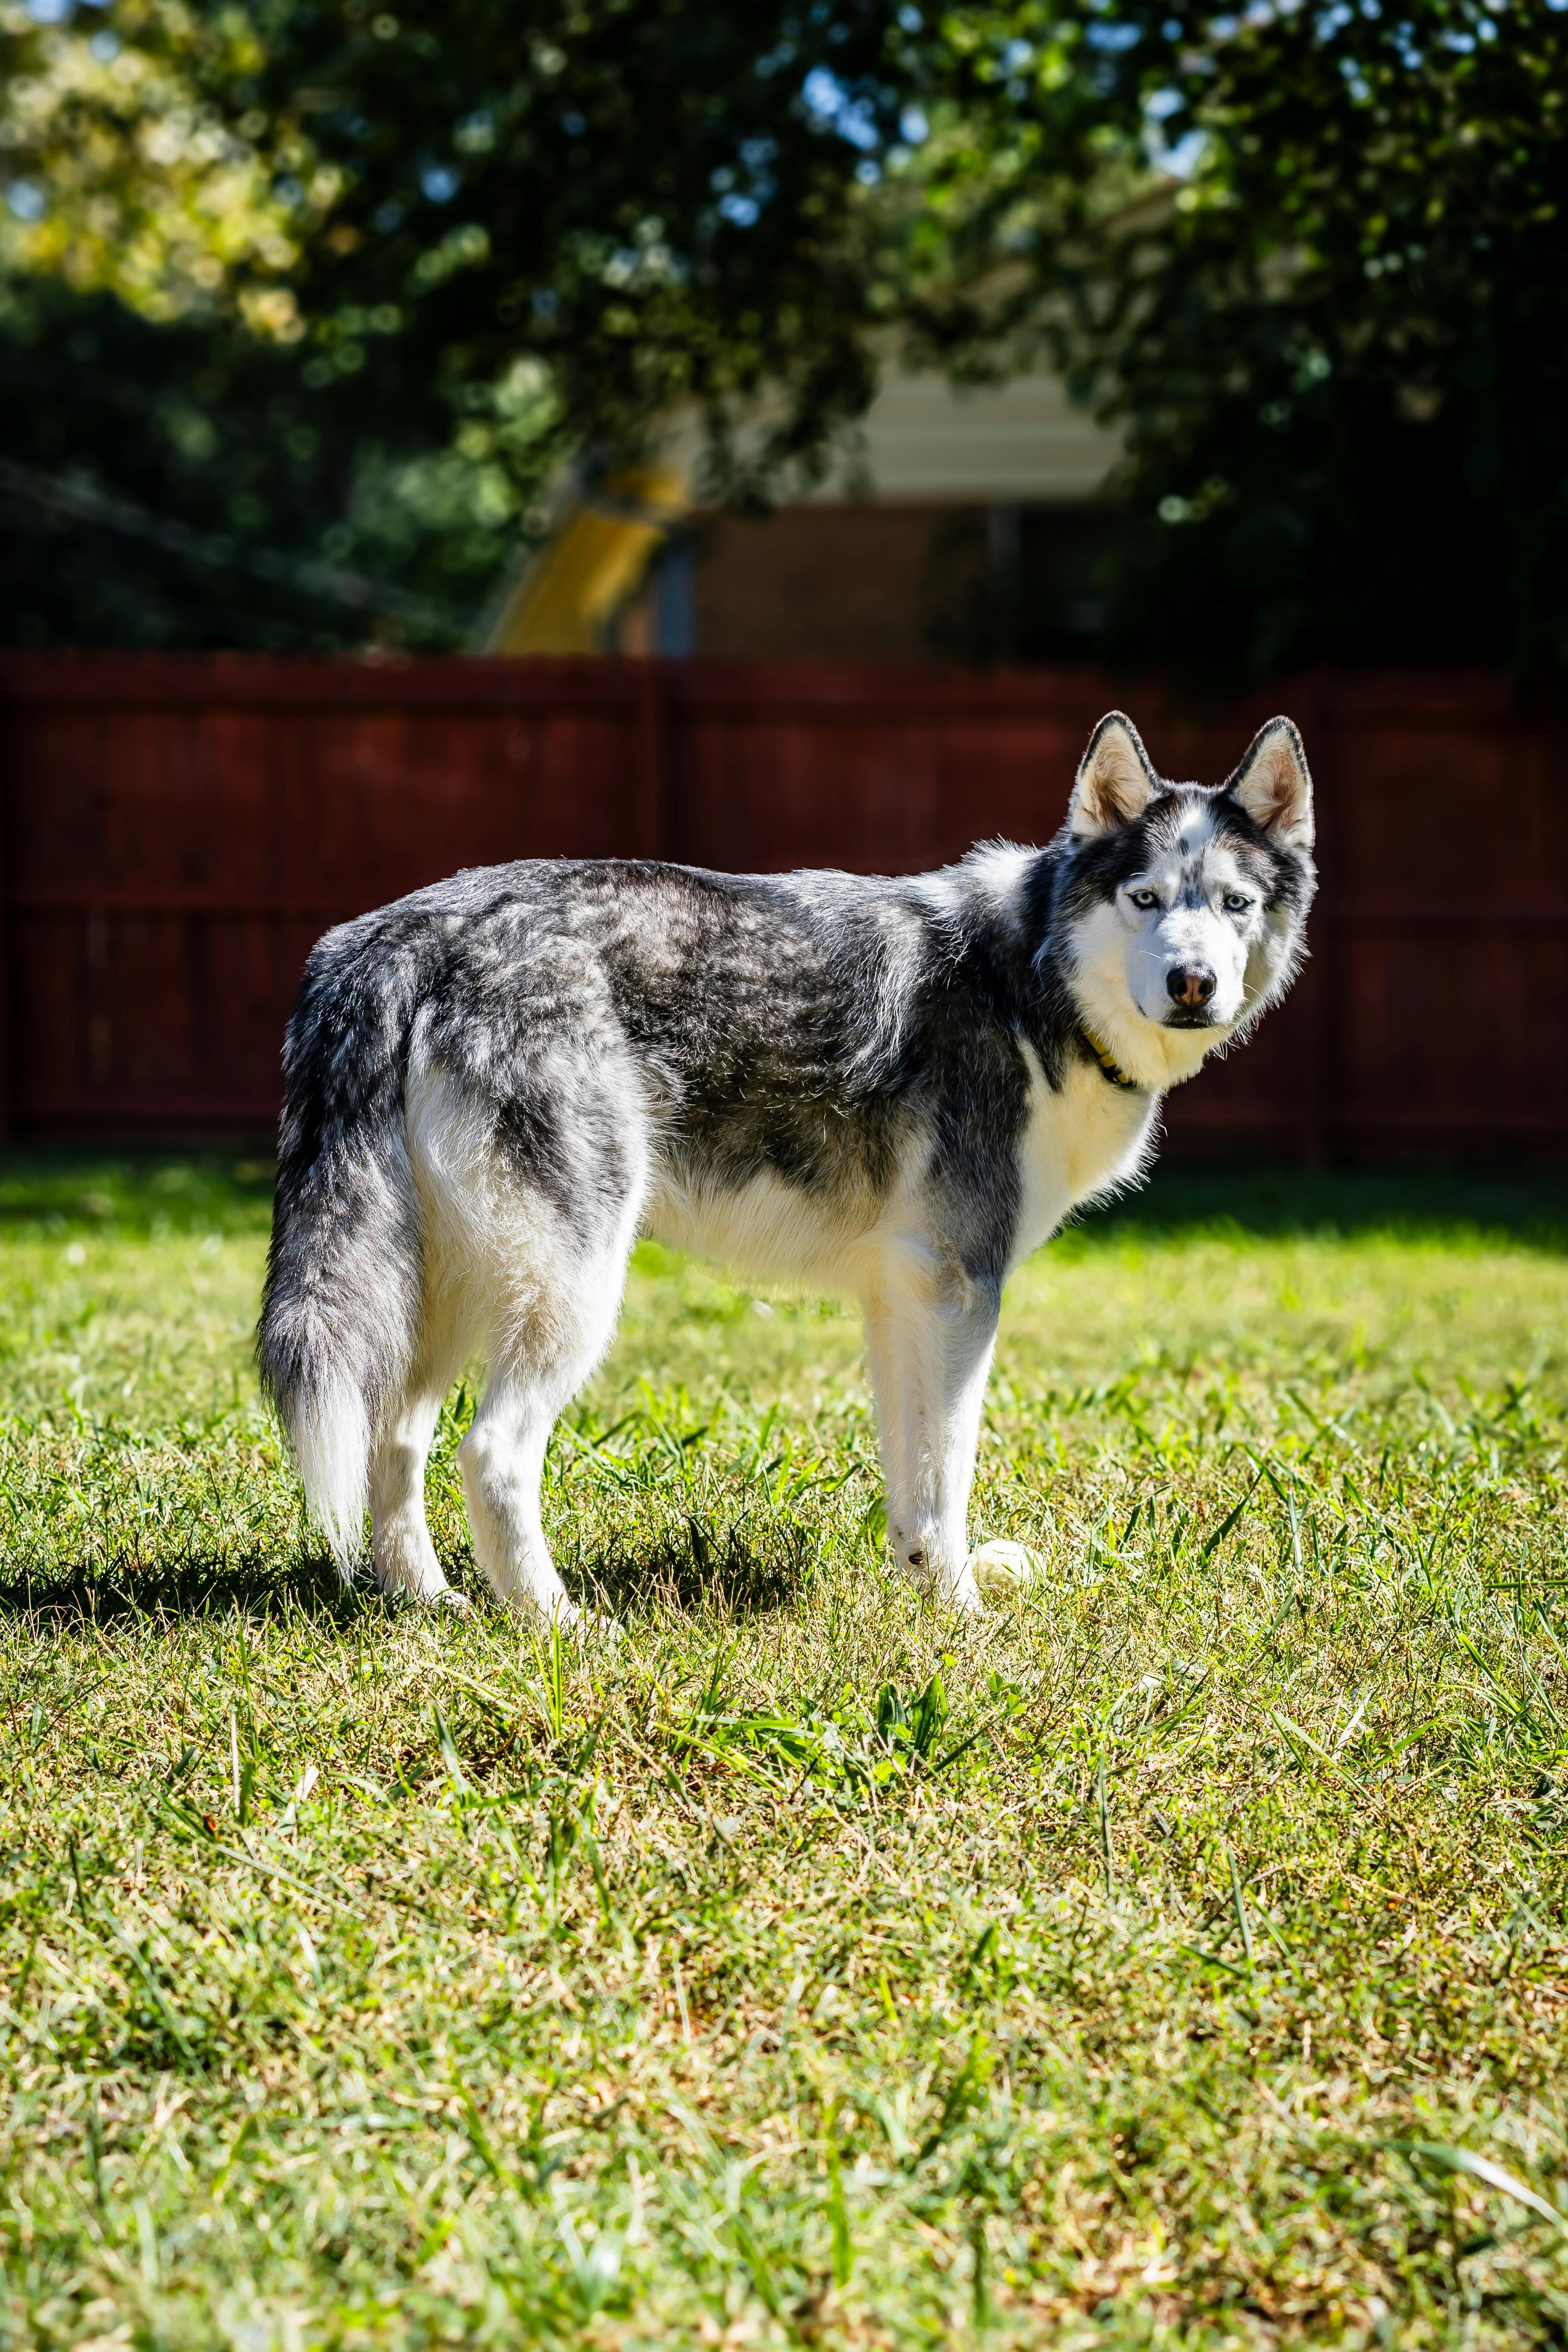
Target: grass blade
1450,2159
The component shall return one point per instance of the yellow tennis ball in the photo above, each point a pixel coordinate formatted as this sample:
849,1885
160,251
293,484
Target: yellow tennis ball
1001,1570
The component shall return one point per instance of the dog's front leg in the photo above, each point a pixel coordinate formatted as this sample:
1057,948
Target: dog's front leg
929,1332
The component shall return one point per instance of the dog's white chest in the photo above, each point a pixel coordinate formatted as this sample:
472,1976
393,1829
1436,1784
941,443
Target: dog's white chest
1090,1136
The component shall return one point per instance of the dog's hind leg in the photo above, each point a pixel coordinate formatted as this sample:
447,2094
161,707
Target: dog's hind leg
557,1316
405,1556
929,1332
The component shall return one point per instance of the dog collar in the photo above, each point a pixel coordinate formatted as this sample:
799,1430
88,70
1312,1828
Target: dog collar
1110,1068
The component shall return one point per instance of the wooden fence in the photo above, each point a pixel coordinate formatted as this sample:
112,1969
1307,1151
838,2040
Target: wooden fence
175,831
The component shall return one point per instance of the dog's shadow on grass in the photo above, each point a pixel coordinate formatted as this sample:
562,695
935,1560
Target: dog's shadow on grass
697,1570
194,1588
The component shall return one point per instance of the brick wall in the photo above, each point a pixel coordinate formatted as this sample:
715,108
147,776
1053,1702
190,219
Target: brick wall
830,581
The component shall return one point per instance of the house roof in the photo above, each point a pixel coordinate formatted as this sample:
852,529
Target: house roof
924,438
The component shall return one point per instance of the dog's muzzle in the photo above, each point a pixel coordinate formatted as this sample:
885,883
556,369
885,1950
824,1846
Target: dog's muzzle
1189,987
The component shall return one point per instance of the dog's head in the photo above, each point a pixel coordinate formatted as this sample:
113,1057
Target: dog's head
1185,904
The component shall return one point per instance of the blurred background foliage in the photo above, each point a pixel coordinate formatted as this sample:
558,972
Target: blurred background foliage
305,304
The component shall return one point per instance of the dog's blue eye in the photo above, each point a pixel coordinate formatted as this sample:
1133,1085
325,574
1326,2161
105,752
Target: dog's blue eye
1144,897
1236,903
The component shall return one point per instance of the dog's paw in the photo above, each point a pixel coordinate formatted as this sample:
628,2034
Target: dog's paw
455,1603
1002,1571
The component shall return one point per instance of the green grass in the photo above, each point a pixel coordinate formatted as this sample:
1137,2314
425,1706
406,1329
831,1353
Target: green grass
1144,1964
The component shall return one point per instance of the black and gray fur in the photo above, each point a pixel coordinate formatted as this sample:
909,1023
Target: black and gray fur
892,1087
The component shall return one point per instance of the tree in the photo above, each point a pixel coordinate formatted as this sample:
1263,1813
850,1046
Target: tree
409,261
658,199
1337,340
176,485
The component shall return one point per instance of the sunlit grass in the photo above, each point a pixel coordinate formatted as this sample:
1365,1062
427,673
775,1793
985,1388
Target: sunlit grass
1137,1966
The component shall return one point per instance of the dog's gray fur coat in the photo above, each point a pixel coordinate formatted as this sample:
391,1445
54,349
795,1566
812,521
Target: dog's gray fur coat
891,1089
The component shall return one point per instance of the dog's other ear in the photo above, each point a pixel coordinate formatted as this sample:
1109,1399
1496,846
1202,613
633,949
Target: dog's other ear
1273,786
1115,782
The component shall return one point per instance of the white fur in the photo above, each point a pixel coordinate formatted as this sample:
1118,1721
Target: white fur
504,1273
998,867
1089,1139
929,1341
331,1437
767,1230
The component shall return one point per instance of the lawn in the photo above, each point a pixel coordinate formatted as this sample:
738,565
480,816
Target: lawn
1173,1956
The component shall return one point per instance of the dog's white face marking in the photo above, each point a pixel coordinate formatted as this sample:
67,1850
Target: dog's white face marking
1108,961
1189,919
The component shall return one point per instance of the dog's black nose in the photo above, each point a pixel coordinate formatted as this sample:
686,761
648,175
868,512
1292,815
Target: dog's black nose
1190,984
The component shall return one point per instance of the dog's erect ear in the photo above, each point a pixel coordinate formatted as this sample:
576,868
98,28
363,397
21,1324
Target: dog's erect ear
1273,786
1115,782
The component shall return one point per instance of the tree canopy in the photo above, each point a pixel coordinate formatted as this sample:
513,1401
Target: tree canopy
404,263
337,285
1337,339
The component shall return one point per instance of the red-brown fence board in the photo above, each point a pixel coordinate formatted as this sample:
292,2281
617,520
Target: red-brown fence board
175,831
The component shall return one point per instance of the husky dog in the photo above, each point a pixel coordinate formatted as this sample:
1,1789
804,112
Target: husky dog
891,1089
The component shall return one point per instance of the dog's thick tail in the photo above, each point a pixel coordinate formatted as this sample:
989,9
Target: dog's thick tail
341,1311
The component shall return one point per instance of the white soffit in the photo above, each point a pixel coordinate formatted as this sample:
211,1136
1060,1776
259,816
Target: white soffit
924,438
